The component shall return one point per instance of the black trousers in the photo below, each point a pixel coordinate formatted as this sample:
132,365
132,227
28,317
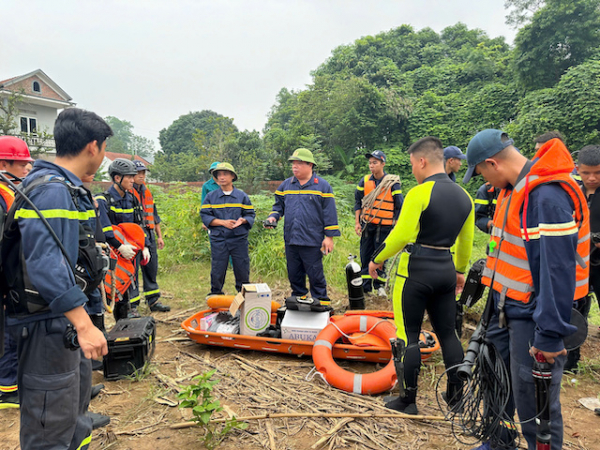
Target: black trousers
370,240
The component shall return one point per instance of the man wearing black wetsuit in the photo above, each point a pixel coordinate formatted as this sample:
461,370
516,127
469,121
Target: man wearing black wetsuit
436,214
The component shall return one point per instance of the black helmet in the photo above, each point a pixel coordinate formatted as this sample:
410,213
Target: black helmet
121,166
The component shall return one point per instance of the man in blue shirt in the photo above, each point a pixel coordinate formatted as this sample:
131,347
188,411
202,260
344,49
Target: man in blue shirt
54,381
229,215
307,202
453,159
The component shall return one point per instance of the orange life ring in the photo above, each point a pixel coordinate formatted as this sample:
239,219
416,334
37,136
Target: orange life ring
370,383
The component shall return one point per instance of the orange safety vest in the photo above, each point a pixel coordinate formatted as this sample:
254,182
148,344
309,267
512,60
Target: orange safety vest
147,205
8,195
125,233
508,257
382,212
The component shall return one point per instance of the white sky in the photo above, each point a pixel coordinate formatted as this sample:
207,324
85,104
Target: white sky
151,61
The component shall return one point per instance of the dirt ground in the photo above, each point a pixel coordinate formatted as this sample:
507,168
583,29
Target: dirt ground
254,383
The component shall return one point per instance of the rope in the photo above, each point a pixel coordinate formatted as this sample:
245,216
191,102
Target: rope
358,337
369,201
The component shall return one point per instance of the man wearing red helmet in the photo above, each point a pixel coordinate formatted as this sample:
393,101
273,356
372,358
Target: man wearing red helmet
14,158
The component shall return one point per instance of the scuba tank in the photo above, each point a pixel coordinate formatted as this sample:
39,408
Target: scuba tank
356,294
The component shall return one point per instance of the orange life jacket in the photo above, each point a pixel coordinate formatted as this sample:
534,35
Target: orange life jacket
382,212
8,195
125,233
508,257
147,205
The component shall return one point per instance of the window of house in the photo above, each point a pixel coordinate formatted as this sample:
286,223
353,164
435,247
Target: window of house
37,87
28,125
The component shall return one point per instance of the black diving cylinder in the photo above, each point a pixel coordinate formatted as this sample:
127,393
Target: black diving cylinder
356,295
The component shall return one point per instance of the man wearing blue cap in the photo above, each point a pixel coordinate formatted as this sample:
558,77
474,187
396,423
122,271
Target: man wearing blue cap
377,203
453,159
536,266
210,185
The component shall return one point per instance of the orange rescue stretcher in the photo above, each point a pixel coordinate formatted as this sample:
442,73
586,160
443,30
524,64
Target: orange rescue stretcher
376,349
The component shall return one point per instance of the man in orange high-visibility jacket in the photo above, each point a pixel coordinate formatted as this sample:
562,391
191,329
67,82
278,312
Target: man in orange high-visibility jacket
538,264
374,224
151,225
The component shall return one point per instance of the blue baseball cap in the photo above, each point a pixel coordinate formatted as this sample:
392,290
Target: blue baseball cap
212,166
453,152
376,154
139,166
484,145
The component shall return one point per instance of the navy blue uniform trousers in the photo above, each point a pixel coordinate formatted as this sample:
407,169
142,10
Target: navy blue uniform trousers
221,250
49,373
303,261
513,344
8,363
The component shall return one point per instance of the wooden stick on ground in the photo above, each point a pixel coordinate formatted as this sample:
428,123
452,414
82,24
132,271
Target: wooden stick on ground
331,415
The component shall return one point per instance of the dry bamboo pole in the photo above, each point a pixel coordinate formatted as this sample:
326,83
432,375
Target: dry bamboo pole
330,415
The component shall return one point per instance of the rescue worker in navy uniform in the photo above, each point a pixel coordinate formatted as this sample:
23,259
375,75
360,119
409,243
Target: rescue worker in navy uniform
154,234
588,168
307,202
54,381
485,206
453,158
229,216
14,158
427,277
374,224
539,248
115,206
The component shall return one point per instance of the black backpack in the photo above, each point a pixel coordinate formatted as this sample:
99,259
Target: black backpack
18,293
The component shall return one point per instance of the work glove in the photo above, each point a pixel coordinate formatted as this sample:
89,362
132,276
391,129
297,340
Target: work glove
145,256
127,251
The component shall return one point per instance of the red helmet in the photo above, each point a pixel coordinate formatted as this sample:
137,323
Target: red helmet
14,149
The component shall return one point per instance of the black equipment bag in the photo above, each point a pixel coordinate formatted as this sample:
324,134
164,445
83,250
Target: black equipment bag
294,303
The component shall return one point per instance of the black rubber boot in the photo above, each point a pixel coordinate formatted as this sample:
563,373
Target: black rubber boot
96,390
405,404
98,420
158,306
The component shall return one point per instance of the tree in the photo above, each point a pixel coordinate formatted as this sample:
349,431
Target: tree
522,10
141,146
10,113
178,137
561,35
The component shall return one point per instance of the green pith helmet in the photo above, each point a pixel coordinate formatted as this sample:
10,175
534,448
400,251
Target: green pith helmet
302,154
224,166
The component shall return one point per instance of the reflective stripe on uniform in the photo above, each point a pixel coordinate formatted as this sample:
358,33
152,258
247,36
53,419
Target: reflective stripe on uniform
85,442
322,194
55,214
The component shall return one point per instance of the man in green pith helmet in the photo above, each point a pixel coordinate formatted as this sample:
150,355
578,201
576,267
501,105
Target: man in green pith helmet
307,202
